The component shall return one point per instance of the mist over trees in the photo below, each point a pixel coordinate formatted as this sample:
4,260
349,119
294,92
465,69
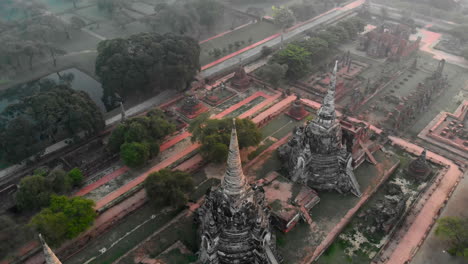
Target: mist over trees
138,138
146,63
299,55
186,17
32,37
55,113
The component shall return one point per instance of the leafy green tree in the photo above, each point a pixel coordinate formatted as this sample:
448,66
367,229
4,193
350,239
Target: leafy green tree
76,177
134,154
60,182
455,231
296,58
162,62
147,131
64,219
340,32
317,47
283,16
332,39
212,133
51,115
349,27
359,24
33,193
117,138
273,73
168,188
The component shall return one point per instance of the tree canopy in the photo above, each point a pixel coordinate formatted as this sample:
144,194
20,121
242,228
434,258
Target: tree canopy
64,219
54,113
34,191
12,234
30,38
146,62
455,231
283,16
168,188
138,138
215,135
273,73
300,55
296,58
185,17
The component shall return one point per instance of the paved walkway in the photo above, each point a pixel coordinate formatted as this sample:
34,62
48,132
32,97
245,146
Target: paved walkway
240,104
163,164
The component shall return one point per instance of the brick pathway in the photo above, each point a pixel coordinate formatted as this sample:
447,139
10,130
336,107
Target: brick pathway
259,107
163,164
241,103
88,188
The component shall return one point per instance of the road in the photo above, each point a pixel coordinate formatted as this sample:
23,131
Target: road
287,36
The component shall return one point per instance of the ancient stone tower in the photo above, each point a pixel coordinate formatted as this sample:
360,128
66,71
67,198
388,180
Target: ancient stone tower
234,225
49,255
315,154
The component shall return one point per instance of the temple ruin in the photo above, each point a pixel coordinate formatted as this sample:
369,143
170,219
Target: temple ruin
388,41
419,168
241,80
234,221
316,155
49,255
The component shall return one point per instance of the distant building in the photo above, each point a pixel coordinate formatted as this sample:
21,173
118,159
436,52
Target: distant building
388,41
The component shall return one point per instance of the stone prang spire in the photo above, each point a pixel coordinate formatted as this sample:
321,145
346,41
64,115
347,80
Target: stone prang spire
315,154
234,220
234,181
326,113
49,255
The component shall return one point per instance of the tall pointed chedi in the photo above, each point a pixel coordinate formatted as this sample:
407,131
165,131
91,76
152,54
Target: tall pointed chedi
234,222
234,181
315,154
49,255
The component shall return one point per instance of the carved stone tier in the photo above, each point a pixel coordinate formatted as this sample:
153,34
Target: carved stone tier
234,221
315,154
